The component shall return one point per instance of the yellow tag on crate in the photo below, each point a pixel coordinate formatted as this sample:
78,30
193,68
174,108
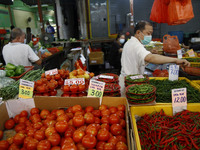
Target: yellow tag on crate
96,89
26,89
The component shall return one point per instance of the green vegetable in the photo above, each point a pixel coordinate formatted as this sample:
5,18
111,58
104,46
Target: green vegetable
10,66
141,89
10,73
19,70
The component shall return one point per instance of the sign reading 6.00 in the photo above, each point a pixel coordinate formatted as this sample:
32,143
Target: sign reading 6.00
96,89
26,89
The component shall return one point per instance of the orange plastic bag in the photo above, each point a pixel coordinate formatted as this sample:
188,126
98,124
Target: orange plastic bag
170,44
179,12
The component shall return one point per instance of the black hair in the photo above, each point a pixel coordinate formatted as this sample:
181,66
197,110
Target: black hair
12,27
16,32
141,25
28,29
119,35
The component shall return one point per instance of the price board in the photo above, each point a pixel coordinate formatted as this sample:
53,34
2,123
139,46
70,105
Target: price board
106,77
26,89
137,77
179,99
191,53
96,89
173,72
51,72
76,81
179,54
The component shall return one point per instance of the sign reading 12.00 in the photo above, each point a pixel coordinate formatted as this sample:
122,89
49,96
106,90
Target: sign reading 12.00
96,89
179,97
26,89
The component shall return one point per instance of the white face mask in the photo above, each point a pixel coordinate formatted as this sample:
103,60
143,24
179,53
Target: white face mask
121,41
24,41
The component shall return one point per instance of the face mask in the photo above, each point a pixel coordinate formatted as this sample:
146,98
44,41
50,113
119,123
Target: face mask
121,41
147,39
24,41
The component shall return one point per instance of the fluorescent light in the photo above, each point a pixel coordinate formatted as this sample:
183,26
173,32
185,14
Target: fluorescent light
50,20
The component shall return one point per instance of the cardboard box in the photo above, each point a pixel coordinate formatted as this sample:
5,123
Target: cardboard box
51,103
96,58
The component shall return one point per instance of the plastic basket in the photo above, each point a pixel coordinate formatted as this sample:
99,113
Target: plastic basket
146,98
139,102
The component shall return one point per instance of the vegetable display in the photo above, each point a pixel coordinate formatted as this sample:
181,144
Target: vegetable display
112,89
164,87
136,79
190,59
12,70
159,131
114,78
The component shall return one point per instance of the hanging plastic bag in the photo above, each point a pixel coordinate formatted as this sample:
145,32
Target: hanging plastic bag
170,44
179,12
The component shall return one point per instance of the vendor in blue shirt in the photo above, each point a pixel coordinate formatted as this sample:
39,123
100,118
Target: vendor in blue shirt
50,29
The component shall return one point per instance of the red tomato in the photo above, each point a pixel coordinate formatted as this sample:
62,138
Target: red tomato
16,118
102,107
67,140
18,139
14,147
61,126
78,136
51,117
116,129
89,141
54,139
39,135
70,122
113,140
41,89
121,138
34,111
24,113
66,88
44,113
63,117
39,82
73,95
65,95
56,148
22,119
105,112
100,145
97,120
113,109
96,113
1,134
53,93
48,77
89,118
57,77
70,131
105,119
37,125
69,110
120,114
79,113
69,146
121,146
103,135
46,94
59,112
44,145
73,88
61,82
121,107
31,132
82,128
49,123
35,118
91,129
80,146
32,144
81,87
20,127
54,111
9,124
76,108
70,115
51,86
78,121
114,119
26,140
89,109
10,140
122,122
81,94
4,145
109,146
49,131
106,126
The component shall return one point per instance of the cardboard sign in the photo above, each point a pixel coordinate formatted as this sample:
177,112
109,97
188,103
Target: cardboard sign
179,99
106,77
26,89
191,53
96,89
173,72
51,72
76,81
137,77
179,54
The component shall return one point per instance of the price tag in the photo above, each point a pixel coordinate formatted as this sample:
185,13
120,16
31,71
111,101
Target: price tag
179,99
96,89
51,72
74,81
179,54
191,53
137,77
26,89
106,77
173,72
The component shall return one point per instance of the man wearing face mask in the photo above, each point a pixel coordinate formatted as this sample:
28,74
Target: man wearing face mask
18,53
134,55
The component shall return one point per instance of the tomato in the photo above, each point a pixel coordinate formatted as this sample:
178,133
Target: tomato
81,94
105,119
106,126
121,138
39,82
89,118
53,93
70,122
59,112
65,95
63,117
91,129
61,72
81,87
49,131
67,140
113,140
120,114
96,113
78,136
46,94
54,111
123,133
51,117
113,109
26,140
76,108
51,86
116,129
69,110
54,139
82,128
43,75
48,77
73,88
74,72
22,119
57,77
70,131
18,139
38,94
121,146
61,126
44,145
34,111
78,121
56,148
37,125
1,134
66,88
100,145
122,122
70,146
20,127
97,120
39,135
16,118
14,147
35,118
102,107
44,113
49,123
4,145
105,112
32,144
61,82
9,124
70,115
22,131
121,107
89,141
23,113
44,80
41,89
114,119
73,95
80,146
103,135
79,113
109,146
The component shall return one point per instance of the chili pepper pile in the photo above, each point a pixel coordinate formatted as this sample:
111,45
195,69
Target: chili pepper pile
131,79
193,59
112,89
140,93
179,132
163,90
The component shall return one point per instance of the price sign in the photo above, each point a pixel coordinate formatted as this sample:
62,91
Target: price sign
137,77
179,99
51,72
26,89
74,81
179,54
106,77
96,89
173,72
191,53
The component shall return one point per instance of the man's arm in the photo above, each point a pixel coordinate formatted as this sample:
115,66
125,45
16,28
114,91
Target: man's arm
39,62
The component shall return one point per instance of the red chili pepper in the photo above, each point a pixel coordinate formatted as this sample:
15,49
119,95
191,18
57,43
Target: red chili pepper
193,143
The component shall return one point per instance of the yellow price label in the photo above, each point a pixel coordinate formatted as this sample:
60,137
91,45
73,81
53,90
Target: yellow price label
95,93
96,89
26,89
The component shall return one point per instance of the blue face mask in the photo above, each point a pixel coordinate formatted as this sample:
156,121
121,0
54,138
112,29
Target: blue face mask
147,39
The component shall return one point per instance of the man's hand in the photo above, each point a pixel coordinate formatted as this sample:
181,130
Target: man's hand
183,62
154,51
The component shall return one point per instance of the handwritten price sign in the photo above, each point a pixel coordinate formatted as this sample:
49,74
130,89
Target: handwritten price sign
26,89
191,53
96,89
51,72
106,77
137,77
74,81
173,72
179,54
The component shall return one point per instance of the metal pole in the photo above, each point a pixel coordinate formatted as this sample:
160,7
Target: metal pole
40,15
55,10
10,14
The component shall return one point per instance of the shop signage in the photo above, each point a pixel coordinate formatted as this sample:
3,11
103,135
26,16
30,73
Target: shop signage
26,89
51,72
76,81
96,89
173,72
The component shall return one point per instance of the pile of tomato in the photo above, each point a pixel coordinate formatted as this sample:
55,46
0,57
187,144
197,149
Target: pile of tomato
74,90
160,73
72,129
47,85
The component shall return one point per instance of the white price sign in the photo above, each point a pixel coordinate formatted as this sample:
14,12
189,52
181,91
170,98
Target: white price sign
173,72
106,77
179,99
26,89
74,81
179,54
51,72
137,77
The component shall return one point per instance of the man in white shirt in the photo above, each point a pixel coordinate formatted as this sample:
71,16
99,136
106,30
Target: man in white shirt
134,55
18,53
